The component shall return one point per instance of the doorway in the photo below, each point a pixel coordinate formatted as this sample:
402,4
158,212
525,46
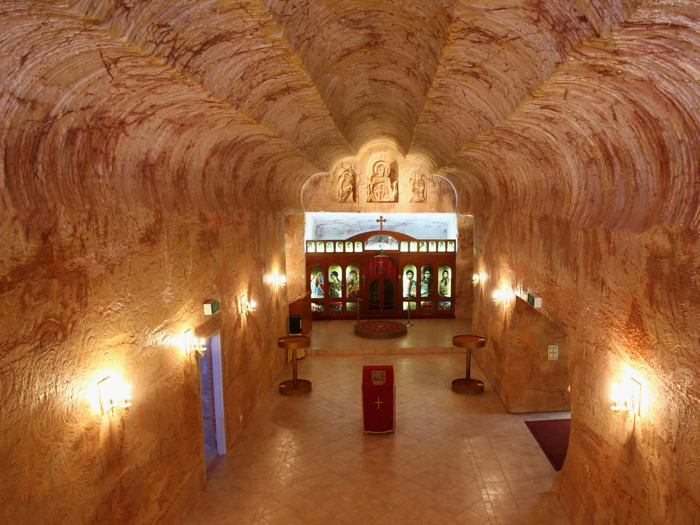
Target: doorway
381,295
211,387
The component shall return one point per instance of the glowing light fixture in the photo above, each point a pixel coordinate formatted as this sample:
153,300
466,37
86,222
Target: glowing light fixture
193,344
114,393
247,306
502,296
626,397
478,278
278,280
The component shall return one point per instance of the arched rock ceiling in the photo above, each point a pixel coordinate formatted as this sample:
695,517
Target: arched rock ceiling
583,109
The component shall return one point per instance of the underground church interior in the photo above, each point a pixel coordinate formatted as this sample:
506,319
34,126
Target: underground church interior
181,178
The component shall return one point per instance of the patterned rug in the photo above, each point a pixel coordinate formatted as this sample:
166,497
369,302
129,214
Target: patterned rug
380,329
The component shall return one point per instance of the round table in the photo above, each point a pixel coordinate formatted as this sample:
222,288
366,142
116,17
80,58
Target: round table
294,386
467,385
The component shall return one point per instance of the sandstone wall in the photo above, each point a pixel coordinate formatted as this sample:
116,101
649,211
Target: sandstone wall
629,306
83,300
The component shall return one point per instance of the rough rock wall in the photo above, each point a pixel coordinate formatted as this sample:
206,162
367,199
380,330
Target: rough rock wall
588,196
531,382
629,305
130,196
113,294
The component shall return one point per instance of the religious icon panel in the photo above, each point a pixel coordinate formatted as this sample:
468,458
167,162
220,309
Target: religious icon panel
445,284
335,281
317,282
353,280
426,280
409,280
381,275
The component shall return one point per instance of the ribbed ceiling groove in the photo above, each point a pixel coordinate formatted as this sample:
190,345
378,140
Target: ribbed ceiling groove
585,109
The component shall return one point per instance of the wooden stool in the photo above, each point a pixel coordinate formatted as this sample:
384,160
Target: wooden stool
294,386
467,385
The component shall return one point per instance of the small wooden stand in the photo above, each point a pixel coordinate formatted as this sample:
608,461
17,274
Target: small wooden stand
294,386
467,385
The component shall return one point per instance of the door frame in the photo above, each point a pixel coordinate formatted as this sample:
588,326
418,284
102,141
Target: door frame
368,314
219,412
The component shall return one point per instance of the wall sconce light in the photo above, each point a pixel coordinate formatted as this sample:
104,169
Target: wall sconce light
497,296
114,393
626,397
247,306
278,280
501,296
192,344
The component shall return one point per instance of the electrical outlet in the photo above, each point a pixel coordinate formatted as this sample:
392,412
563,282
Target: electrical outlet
553,352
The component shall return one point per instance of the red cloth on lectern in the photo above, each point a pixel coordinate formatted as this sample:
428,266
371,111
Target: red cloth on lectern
378,403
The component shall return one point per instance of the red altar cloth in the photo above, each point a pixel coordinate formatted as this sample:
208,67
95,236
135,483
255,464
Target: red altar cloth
378,399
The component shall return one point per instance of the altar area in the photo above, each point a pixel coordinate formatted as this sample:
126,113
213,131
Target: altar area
426,336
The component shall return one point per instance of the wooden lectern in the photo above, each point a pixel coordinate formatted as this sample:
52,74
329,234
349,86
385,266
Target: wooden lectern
378,399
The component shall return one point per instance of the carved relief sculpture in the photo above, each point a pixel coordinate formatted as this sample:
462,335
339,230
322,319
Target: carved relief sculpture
346,186
418,184
383,185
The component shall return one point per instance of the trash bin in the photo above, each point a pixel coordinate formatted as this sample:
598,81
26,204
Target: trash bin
294,325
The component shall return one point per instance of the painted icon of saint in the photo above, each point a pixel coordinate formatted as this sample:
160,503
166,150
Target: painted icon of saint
410,286
317,285
353,285
445,287
426,285
335,287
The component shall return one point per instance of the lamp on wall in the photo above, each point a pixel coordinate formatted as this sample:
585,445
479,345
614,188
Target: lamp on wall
502,296
247,306
626,397
193,344
114,393
478,278
278,280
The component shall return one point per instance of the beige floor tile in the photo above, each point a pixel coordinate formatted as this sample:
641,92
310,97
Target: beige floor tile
453,459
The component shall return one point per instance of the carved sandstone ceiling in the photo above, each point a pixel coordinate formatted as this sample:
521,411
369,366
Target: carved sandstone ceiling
584,109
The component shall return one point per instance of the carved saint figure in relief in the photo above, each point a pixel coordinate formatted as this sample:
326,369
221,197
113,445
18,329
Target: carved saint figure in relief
346,186
418,193
381,187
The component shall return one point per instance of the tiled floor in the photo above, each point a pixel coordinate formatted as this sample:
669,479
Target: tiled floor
425,336
453,459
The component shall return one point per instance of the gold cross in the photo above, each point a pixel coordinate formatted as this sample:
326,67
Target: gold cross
381,220
377,402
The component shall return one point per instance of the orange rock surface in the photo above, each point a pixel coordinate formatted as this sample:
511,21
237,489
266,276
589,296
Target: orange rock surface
151,153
